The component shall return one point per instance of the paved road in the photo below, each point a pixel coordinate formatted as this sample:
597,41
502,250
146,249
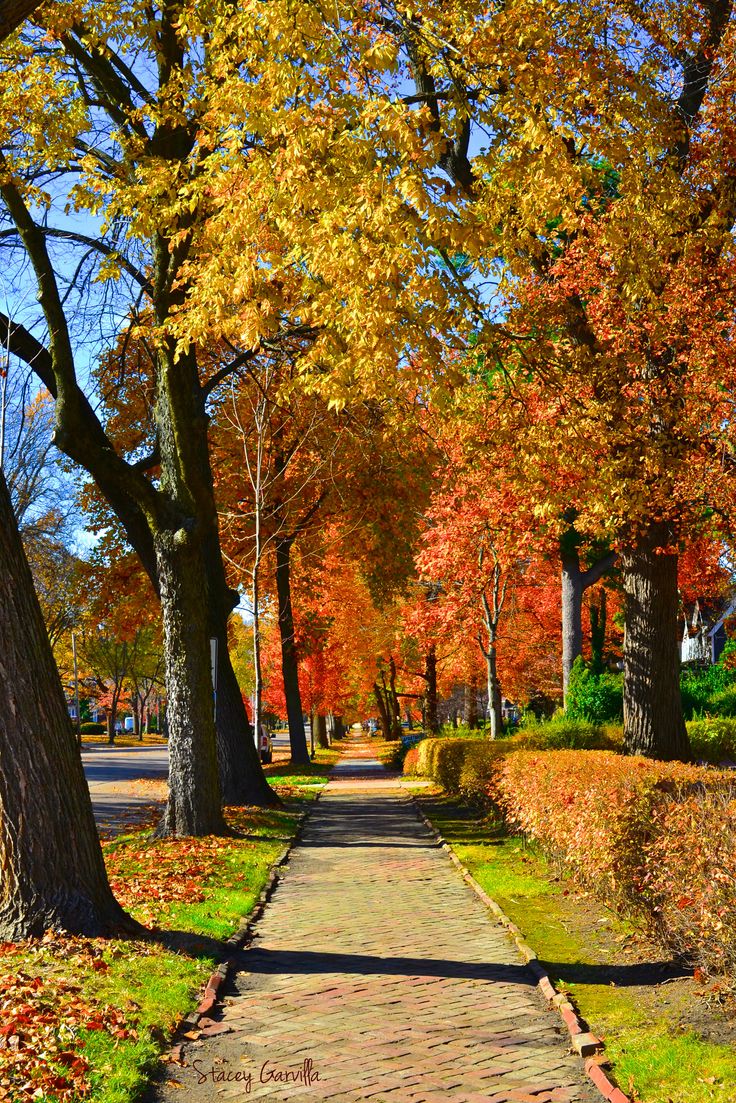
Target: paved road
376,974
125,783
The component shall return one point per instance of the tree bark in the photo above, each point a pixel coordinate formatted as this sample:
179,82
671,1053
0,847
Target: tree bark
44,799
194,806
653,720
572,616
470,710
382,711
598,619
575,582
289,661
494,692
430,674
393,701
321,730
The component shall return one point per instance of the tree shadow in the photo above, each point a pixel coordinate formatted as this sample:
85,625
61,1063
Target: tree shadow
263,961
638,974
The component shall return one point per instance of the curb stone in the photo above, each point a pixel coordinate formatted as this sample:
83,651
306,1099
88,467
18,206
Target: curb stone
199,1020
585,1044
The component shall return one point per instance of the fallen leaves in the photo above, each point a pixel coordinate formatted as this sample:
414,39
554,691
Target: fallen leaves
44,1019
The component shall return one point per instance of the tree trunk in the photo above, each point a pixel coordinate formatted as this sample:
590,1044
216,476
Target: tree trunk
572,616
494,692
194,804
110,722
393,701
653,721
321,730
289,662
44,799
598,620
574,584
430,674
382,711
470,713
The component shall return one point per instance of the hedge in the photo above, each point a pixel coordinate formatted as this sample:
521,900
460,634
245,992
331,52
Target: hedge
89,728
656,839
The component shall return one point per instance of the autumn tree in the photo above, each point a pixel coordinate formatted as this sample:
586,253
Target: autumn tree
46,883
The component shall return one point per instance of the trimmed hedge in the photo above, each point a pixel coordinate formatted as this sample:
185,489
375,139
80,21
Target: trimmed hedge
463,765
89,728
657,839
654,839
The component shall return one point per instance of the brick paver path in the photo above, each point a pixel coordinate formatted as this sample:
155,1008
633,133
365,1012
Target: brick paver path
377,964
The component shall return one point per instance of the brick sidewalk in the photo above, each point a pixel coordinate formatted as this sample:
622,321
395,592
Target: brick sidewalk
377,964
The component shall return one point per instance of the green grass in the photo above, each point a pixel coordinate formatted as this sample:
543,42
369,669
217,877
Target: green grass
653,1057
155,981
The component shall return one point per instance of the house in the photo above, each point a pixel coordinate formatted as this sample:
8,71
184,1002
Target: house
705,637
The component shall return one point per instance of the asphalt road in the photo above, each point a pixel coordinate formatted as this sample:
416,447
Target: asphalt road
127,784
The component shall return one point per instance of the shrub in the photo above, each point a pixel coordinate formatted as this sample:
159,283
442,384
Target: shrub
594,697
690,877
92,729
714,739
564,732
410,760
643,835
477,769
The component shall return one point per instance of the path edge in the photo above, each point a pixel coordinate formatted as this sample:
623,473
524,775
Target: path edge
585,1044
211,993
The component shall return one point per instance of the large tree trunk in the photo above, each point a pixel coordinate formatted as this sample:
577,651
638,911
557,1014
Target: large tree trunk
44,799
653,721
242,780
430,674
194,806
289,663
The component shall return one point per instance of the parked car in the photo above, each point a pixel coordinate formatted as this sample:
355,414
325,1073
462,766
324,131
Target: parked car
265,745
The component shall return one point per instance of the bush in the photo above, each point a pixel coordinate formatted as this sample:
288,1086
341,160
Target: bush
621,826
477,769
710,689
564,732
464,765
713,740
690,878
594,697
93,729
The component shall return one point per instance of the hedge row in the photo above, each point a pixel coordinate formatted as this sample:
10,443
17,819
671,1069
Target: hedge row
657,839
653,839
464,765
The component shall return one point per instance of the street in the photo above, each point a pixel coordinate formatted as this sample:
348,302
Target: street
126,784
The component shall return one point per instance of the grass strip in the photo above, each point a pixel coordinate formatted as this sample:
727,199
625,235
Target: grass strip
654,1026
88,1019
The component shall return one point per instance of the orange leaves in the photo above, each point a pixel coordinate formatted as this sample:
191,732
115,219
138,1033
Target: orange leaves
657,838
161,872
44,1019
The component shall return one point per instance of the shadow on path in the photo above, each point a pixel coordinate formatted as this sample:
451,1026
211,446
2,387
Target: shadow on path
302,962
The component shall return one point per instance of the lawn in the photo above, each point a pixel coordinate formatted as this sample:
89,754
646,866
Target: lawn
91,1018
